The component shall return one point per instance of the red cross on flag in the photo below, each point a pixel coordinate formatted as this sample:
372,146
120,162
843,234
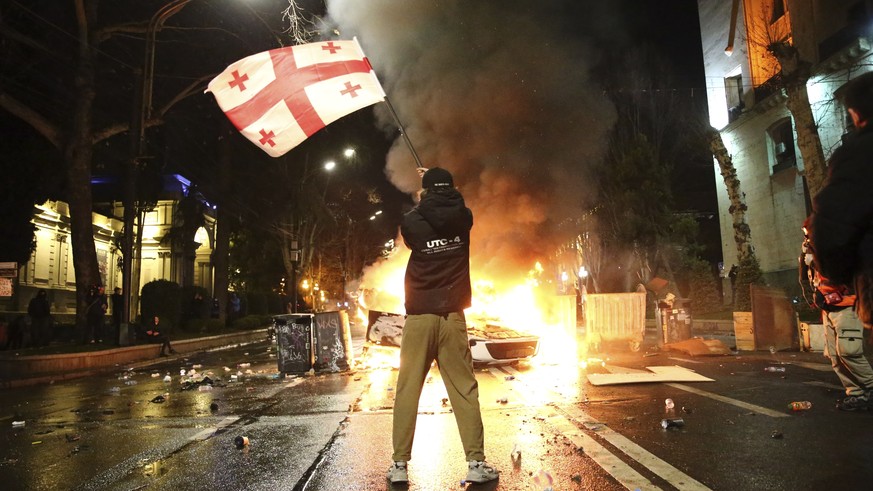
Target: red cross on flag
280,97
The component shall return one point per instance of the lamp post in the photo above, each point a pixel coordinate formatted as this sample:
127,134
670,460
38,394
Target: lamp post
138,139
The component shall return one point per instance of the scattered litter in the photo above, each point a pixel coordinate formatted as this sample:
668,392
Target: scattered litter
159,399
18,424
668,403
543,480
515,455
445,401
799,405
244,365
774,369
37,442
196,366
130,382
699,347
73,438
204,388
168,378
672,423
776,434
687,410
182,372
502,400
241,441
213,407
156,375
509,377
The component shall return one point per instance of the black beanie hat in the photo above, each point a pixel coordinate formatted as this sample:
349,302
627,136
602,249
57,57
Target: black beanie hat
437,178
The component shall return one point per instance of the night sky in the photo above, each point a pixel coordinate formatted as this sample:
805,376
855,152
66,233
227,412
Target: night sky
500,93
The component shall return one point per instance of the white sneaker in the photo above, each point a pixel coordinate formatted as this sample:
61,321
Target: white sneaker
398,472
479,471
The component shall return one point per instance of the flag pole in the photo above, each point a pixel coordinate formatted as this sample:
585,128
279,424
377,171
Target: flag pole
403,132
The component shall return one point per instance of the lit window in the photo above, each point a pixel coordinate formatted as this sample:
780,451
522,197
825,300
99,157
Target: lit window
733,87
778,10
783,155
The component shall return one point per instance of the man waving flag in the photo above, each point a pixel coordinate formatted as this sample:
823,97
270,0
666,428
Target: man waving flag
280,97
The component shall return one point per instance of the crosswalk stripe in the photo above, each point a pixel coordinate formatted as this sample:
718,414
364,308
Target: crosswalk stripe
672,475
734,402
617,468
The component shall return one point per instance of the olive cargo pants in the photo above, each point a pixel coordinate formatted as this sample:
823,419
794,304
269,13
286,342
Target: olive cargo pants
844,345
428,337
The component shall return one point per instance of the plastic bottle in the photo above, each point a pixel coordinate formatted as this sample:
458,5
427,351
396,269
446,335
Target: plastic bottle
668,403
799,405
204,388
130,382
774,369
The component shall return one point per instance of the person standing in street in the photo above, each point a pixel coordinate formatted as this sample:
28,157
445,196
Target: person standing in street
840,232
94,316
117,311
40,314
437,286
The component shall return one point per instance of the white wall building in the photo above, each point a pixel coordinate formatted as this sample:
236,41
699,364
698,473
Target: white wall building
748,109
51,264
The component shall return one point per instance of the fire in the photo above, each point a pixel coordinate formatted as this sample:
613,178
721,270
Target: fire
525,306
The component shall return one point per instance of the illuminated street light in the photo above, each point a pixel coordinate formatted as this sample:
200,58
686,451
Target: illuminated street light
329,165
349,152
583,273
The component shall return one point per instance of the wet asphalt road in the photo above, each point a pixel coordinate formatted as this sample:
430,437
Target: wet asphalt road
331,431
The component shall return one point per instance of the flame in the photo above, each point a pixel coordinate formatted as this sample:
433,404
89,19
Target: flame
524,305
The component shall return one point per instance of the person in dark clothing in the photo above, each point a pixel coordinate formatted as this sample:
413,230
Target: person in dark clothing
840,231
153,334
15,335
97,307
40,314
438,289
117,314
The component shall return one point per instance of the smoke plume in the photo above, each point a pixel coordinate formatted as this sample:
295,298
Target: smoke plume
499,93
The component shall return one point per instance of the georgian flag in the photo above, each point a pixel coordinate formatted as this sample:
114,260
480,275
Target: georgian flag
280,97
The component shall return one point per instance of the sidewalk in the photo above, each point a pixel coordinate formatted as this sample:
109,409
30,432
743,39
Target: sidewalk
21,371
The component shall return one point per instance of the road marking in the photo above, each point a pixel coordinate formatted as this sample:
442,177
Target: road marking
821,367
614,466
685,360
734,402
208,432
825,385
609,462
275,389
672,475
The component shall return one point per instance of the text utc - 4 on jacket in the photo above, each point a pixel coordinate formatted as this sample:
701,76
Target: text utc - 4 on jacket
437,232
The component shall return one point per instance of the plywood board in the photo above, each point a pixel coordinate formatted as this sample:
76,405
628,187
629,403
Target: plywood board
655,374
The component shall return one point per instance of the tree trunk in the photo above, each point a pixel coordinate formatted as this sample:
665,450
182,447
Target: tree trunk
222,234
808,141
795,75
78,156
742,232
750,270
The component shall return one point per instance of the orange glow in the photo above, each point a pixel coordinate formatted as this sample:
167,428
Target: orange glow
523,305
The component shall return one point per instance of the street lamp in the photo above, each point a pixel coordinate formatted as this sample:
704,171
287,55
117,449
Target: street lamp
349,153
329,165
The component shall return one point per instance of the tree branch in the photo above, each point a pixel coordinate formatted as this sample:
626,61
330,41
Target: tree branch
37,121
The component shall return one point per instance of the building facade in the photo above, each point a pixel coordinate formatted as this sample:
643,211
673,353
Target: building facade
51,264
748,107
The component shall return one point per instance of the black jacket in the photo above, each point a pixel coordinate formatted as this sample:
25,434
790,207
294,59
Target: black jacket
841,225
437,232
